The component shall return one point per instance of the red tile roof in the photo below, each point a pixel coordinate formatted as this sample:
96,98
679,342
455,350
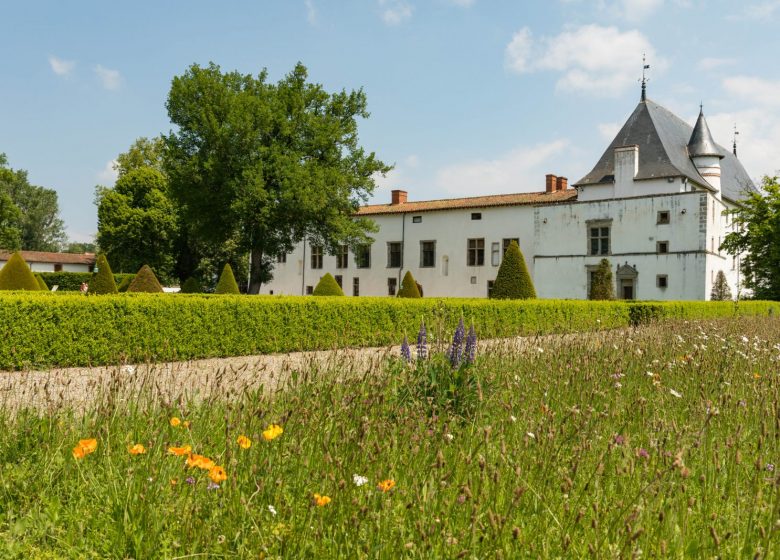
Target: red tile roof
516,199
54,258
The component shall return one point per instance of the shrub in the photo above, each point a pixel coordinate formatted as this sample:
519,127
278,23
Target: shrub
71,281
327,286
125,283
191,286
227,282
513,280
41,284
145,281
103,280
601,286
409,287
16,275
720,289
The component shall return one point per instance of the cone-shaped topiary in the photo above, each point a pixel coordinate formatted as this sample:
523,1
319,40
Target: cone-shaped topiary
601,283
102,282
41,284
409,286
513,280
145,281
191,286
16,275
124,284
720,288
327,286
227,282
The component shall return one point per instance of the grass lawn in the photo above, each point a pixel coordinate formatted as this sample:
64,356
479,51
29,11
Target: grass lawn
660,442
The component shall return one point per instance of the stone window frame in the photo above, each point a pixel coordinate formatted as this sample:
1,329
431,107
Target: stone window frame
475,256
399,253
664,217
662,279
342,256
601,223
662,247
431,263
317,252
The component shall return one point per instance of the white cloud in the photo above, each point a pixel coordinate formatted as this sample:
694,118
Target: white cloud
759,137
755,90
108,175
311,12
713,63
520,170
395,12
608,131
592,58
111,79
61,67
634,10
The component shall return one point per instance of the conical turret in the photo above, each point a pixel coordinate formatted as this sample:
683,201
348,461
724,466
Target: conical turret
704,152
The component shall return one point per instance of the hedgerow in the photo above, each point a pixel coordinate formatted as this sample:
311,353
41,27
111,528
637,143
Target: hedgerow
72,281
71,330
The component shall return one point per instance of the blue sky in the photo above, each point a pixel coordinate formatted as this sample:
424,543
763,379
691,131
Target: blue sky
467,97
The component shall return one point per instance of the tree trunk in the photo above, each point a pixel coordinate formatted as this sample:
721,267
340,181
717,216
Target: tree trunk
255,273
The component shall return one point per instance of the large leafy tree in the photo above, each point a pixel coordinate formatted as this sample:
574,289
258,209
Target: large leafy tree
268,164
37,216
144,152
757,238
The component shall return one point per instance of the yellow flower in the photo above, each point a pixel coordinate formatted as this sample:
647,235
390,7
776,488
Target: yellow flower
175,422
137,449
174,481
321,501
217,474
185,450
272,432
386,485
244,442
84,448
200,461
756,375
186,424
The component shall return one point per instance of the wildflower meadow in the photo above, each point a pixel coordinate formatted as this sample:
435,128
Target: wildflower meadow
656,442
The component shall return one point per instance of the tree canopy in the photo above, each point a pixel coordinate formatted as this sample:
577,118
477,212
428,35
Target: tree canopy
720,288
268,164
757,239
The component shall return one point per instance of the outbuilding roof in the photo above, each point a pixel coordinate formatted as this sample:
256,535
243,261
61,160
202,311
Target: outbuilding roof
52,258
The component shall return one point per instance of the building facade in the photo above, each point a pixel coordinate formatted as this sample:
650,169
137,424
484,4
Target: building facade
41,261
656,205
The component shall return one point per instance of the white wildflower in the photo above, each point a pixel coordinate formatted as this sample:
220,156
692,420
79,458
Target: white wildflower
272,509
513,418
675,393
359,480
531,435
449,437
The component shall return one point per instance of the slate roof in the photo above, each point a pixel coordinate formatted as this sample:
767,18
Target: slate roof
52,258
516,199
701,142
663,139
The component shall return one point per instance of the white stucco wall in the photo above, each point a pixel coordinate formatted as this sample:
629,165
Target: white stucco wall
49,267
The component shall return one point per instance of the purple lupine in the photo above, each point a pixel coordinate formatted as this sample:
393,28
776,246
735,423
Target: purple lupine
456,350
471,346
406,352
422,342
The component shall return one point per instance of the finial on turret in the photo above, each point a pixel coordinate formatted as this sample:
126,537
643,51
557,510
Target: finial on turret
645,79
736,132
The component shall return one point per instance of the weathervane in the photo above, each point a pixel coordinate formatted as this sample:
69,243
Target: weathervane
736,132
645,79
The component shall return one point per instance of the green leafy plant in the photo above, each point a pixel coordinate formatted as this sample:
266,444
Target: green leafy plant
409,287
103,280
41,284
720,288
16,275
125,283
602,286
227,282
145,281
191,286
72,281
513,280
327,286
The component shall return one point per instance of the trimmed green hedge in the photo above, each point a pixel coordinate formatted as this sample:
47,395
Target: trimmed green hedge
71,330
71,281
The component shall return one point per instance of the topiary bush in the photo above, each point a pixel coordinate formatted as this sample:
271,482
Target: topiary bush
409,287
16,275
327,286
227,282
41,284
125,283
191,286
720,288
103,280
513,280
601,286
145,281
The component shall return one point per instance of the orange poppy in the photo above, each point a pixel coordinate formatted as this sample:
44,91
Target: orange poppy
84,448
386,485
200,461
321,501
175,422
137,449
217,474
184,450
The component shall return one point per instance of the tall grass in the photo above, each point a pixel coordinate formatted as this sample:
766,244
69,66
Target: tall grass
660,442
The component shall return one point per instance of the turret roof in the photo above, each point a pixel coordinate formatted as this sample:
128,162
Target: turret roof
701,142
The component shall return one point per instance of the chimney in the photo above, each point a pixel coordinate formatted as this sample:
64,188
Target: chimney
626,168
551,184
563,184
399,197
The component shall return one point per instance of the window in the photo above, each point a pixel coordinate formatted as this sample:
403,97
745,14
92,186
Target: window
342,257
416,219
339,279
662,280
663,217
476,252
309,290
281,258
57,268
476,215
392,286
662,247
506,242
356,286
733,263
363,256
394,259
473,279
599,240
495,256
490,285
316,256
427,254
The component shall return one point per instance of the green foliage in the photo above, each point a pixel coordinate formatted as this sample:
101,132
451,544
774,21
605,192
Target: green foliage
327,286
409,287
720,288
145,282
268,163
125,283
227,282
71,330
513,280
102,282
16,275
191,286
602,286
71,281
137,222
756,238
10,233
41,284
80,248
144,153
